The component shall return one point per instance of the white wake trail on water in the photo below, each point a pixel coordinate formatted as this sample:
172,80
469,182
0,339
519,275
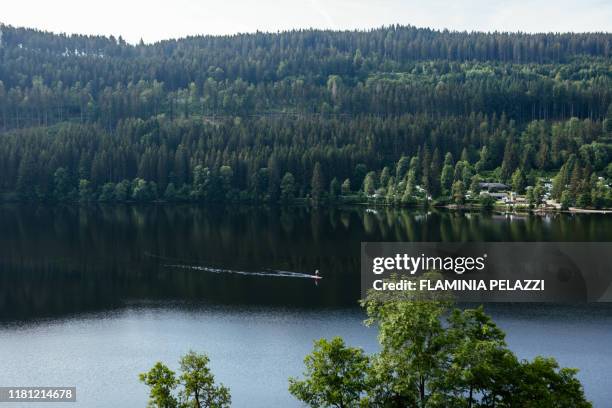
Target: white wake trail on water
268,272
272,273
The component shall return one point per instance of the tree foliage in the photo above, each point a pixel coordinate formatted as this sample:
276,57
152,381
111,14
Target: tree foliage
433,355
224,118
335,375
198,387
161,382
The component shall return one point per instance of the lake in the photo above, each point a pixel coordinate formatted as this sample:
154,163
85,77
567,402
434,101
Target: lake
91,296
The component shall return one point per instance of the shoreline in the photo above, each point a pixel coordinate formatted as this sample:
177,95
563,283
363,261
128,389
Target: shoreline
339,202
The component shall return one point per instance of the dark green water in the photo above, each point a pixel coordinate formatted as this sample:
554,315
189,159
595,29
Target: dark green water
58,260
89,296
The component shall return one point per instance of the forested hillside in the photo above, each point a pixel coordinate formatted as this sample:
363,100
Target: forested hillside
398,112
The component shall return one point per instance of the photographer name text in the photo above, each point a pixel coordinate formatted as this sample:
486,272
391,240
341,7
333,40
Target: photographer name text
459,285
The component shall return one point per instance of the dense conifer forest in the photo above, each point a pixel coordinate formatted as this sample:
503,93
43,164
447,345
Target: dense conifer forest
399,114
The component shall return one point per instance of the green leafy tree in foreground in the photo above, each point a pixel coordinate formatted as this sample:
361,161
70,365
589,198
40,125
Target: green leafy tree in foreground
433,355
162,382
335,376
479,362
542,384
413,347
198,385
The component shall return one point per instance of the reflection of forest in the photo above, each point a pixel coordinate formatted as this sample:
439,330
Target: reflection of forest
64,259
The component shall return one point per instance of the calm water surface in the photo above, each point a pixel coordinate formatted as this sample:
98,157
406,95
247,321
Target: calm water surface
89,296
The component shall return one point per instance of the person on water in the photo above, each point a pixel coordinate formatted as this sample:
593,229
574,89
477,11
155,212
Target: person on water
316,277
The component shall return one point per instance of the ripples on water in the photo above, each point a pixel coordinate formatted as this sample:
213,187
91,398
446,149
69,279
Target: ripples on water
85,305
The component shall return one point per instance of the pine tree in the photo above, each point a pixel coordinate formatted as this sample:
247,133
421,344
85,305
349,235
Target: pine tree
384,176
369,184
346,187
403,164
447,176
317,183
518,181
475,184
434,183
288,188
458,192
390,197
334,189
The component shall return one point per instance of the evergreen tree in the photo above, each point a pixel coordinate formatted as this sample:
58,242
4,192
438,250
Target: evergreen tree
369,184
434,183
402,167
346,187
384,176
359,175
334,189
61,182
447,176
317,183
518,181
566,200
108,193
390,197
288,188
170,194
458,192
85,192
382,96
475,184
